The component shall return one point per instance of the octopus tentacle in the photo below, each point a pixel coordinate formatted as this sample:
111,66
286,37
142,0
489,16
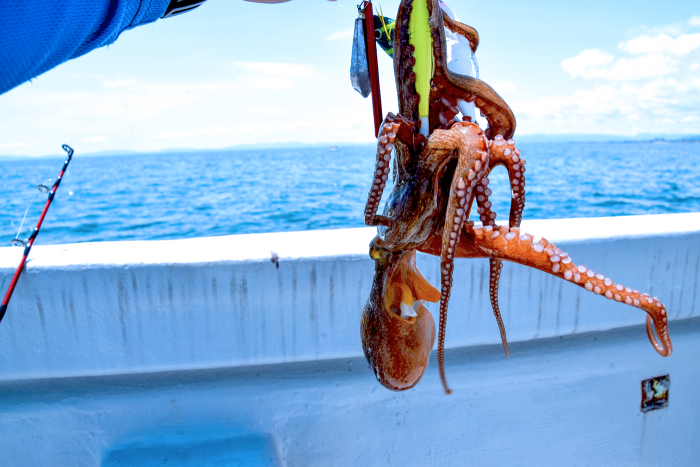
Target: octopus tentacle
450,236
463,30
471,164
487,216
505,153
450,110
492,106
385,144
508,244
403,65
445,83
664,348
501,153
495,267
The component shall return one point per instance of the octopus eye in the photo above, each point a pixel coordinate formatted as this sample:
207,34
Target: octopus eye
377,253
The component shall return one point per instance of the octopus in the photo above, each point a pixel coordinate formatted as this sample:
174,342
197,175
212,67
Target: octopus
441,168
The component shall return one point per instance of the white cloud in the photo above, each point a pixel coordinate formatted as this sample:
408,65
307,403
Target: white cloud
646,66
581,64
280,69
694,21
340,35
505,86
625,108
118,83
15,144
654,89
274,75
655,56
269,83
590,64
662,44
177,135
616,90
209,132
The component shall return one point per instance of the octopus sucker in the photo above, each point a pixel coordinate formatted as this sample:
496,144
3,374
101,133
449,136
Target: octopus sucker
539,258
441,169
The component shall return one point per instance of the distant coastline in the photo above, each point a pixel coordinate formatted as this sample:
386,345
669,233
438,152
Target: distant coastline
598,138
527,139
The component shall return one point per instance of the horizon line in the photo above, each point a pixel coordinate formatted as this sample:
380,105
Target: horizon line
526,138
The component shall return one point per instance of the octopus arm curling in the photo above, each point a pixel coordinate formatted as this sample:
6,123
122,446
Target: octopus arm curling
488,217
385,144
504,153
444,82
504,243
463,30
498,114
510,245
492,107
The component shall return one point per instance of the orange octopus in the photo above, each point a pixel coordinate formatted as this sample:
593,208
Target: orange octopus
437,180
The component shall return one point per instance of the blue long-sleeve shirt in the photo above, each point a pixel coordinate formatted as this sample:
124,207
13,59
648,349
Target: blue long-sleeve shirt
37,35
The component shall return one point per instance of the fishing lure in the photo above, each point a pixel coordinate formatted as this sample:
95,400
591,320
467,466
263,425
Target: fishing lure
32,237
359,66
384,33
363,65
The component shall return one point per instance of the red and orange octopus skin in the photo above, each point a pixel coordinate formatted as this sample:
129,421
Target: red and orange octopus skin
437,180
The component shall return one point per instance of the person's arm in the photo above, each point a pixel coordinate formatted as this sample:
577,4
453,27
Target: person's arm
37,35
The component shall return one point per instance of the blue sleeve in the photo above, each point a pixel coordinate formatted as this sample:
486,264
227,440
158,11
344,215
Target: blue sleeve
37,35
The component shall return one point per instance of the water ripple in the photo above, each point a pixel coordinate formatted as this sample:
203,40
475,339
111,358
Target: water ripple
168,196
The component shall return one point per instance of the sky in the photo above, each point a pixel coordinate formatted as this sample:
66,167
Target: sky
237,73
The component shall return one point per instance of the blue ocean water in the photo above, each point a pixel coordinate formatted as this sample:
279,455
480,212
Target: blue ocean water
208,193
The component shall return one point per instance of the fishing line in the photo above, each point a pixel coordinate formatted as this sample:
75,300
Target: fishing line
41,188
15,241
25,216
32,237
234,76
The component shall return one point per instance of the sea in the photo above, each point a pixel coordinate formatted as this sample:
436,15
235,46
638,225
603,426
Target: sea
173,195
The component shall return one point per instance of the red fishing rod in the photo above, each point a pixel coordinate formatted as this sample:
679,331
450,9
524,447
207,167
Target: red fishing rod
30,241
367,8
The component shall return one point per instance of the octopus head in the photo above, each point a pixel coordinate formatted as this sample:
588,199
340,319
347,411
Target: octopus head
398,331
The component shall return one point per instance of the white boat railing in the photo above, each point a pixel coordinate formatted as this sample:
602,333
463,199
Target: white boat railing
144,306
202,352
